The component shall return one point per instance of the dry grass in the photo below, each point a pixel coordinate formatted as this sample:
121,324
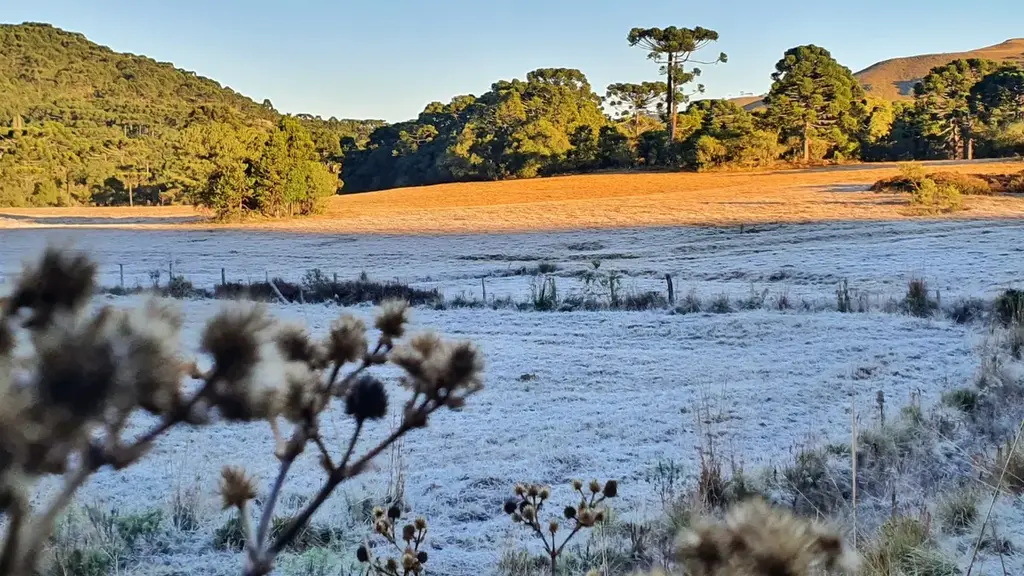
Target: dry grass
575,202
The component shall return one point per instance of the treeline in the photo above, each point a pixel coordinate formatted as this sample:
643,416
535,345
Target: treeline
816,110
88,126
84,125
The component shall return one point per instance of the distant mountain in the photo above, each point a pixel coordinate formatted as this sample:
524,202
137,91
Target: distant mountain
894,79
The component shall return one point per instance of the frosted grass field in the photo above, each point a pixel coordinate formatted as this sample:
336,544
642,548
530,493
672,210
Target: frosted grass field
582,394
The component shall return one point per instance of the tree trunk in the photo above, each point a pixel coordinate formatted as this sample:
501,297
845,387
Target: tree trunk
131,197
970,148
671,97
807,141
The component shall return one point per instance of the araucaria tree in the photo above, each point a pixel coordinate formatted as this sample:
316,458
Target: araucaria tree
945,96
672,48
813,95
632,102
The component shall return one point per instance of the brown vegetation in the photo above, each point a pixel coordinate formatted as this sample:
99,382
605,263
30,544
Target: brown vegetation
575,202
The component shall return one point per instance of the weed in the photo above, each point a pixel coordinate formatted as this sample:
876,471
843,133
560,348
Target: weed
917,301
690,304
720,305
1010,459
544,294
904,546
644,301
844,303
185,509
1009,307
230,535
967,310
958,510
963,399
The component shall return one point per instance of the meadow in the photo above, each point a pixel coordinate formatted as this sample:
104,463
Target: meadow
756,359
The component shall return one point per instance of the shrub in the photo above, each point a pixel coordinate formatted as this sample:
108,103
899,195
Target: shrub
917,301
963,399
644,301
1010,459
844,303
964,183
544,294
1009,306
720,305
690,304
966,311
930,196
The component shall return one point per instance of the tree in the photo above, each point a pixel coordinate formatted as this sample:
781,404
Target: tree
998,99
945,96
813,95
632,102
672,48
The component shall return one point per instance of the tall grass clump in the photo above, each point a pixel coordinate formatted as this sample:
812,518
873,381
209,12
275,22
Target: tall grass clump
918,302
66,399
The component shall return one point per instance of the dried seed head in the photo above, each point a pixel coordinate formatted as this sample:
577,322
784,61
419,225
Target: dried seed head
421,523
510,506
408,532
392,565
545,493
296,345
422,557
426,344
302,400
533,491
378,512
611,489
233,338
60,282
529,514
347,341
756,538
77,366
586,518
150,368
367,400
394,512
362,554
553,525
391,319
577,484
520,490
569,512
236,487
595,486
408,561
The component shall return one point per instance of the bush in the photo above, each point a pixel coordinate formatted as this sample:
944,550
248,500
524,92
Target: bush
958,511
967,310
929,197
917,302
644,301
1009,307
964,399
964,183
904,546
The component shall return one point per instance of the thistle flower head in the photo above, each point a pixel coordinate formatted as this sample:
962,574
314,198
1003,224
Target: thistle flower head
595,486
510,506
553,525
755,538
577,484
347,340
544,493
391,319
297,346
362,554
76,365
529,514
569,512
233,338
301,400
611,489
236,487
150,368
447,376
408,532
422,556
421,523
367,400
60,281
378,512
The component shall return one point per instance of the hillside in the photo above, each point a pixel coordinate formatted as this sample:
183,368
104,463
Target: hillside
894,79
86,122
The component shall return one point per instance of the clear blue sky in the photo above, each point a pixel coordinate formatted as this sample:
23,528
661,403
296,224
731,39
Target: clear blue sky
365,59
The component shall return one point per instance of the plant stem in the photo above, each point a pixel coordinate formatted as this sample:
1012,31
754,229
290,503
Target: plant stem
275,492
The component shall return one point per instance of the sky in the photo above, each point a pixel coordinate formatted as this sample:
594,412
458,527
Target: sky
387,60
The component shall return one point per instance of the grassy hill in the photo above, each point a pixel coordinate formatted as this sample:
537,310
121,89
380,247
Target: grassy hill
85,121
894,79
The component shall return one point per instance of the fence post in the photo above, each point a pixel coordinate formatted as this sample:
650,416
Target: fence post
671,290
170,270
335,278
223,278
483,284
121,267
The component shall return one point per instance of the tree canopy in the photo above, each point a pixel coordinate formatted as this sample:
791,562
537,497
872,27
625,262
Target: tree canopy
813,97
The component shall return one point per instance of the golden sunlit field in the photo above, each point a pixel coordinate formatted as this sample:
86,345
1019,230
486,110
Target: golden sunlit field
579,202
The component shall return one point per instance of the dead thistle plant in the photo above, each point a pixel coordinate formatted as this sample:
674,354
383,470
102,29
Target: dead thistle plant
529,500
66,398
413,535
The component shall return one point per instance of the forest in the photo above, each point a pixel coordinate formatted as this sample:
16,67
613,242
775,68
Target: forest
88,126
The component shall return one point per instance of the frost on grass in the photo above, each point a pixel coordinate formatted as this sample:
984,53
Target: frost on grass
84,374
